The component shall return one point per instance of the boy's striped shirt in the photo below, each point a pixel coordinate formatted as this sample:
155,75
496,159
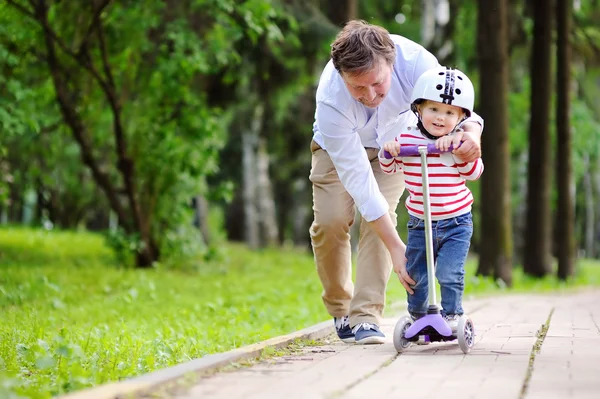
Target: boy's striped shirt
448,193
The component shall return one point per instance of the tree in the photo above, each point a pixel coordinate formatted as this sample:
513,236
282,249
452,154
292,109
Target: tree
565,219
279,81
537,251
496,243
129,81
341,11
438,18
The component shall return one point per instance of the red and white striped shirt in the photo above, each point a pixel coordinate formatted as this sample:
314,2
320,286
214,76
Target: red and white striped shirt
448,193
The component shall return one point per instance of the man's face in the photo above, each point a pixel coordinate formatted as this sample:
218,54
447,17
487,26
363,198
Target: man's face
370,88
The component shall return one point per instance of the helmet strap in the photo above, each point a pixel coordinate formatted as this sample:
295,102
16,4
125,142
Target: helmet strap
424,131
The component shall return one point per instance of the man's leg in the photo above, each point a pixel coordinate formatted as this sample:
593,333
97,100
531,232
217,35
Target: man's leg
374,263
334,213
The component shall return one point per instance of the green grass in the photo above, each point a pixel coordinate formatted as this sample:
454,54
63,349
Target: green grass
72,318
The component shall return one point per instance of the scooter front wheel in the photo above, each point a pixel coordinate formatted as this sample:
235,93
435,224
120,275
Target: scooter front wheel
465,332
401,343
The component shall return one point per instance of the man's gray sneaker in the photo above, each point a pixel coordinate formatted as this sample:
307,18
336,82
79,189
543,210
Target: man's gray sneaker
367,333
343,330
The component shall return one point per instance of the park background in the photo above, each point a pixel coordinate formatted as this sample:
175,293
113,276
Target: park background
154,161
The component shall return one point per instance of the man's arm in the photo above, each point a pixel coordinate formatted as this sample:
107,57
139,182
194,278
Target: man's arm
353,167
470,149
388,234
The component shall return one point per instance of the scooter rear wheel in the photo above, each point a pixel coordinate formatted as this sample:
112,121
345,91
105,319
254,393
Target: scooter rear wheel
465,333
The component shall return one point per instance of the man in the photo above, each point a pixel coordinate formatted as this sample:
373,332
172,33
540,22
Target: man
363,97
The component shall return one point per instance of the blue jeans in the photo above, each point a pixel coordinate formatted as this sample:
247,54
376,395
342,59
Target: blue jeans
451,242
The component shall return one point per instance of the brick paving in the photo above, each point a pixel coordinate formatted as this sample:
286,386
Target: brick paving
566,363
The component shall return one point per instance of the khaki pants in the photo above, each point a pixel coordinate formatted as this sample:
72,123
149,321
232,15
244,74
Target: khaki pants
334,212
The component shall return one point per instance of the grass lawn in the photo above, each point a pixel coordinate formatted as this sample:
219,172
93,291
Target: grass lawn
71,318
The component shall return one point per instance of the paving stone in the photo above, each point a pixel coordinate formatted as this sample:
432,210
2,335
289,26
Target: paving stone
568,365
507,329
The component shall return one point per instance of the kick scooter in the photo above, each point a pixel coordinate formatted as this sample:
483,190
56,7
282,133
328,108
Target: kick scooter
431,327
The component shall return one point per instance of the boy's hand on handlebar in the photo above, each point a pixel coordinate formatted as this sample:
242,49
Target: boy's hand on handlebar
393,147
444,143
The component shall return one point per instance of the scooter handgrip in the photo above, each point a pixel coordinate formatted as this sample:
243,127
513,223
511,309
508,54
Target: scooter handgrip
413,151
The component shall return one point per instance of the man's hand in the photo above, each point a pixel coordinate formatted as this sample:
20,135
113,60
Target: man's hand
388,234
399,262
470,149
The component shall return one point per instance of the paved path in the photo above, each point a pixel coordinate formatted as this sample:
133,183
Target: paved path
527,347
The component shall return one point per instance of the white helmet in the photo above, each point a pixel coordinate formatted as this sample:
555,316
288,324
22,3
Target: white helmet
444,85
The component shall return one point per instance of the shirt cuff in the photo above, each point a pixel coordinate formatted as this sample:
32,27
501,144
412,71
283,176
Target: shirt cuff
380,154
374,208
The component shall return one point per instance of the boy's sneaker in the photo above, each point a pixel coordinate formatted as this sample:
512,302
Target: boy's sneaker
342,327
367,333
452,320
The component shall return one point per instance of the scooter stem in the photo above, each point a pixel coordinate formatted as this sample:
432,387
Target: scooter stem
428,232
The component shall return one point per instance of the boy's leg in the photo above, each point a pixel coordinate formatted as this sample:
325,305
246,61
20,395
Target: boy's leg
417,267
334,213
374,264
454,237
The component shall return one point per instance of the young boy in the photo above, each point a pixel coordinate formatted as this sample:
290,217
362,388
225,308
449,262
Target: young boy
442,98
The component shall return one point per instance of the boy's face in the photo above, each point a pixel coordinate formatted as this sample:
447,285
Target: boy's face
438,118
370,88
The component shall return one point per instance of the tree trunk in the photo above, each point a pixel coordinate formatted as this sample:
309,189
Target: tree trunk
341,11
564,179
301,214
517,33
132,219
15,204
538,238
202,218
595,189
98,219
521,209
590,207
496,231
250,176
266,203
437,27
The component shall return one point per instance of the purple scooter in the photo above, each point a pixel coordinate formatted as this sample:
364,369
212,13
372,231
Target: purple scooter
432,327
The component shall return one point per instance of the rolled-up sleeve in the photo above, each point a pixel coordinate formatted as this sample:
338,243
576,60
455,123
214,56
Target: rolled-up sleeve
347,153
474,118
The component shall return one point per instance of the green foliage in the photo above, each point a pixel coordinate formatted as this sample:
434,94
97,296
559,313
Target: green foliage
384,13
72,320
465,42
163,63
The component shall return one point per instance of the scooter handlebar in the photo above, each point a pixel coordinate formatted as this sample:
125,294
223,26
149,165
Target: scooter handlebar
413,151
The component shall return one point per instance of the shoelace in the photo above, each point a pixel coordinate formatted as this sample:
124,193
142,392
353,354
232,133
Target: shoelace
365,326
341,322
